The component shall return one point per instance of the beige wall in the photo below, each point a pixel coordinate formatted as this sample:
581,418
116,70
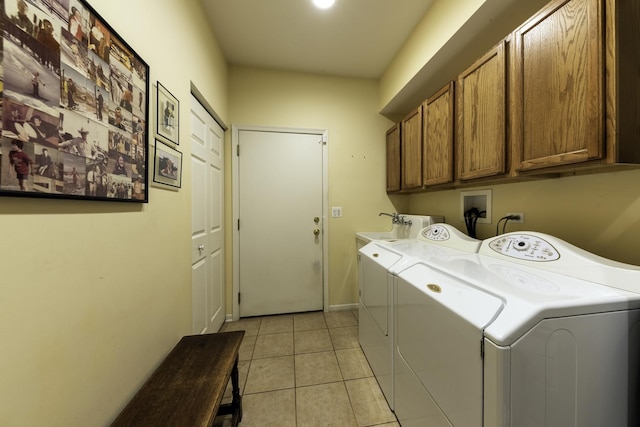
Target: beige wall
437,26
450,37
599,213
93,294
346,107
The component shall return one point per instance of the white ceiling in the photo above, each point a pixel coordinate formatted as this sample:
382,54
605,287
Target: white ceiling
355,38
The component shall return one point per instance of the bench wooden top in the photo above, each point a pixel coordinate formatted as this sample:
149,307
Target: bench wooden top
187,388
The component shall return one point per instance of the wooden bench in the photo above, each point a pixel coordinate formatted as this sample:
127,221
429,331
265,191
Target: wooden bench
187,388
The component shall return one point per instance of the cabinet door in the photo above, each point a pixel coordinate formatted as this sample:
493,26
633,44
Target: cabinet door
481,122
557,85
411,149
393,159
437,136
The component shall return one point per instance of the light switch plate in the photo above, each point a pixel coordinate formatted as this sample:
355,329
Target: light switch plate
336,212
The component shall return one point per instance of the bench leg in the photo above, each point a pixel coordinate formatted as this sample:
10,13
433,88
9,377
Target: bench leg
237,399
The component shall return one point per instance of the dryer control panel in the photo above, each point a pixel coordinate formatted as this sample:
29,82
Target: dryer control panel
526,247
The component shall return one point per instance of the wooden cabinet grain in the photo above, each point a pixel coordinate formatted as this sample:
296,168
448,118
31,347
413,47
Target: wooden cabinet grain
481,117
438,137
393,158
557,86
575,88
411,150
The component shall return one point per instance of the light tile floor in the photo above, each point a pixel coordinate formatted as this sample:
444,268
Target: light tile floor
306,370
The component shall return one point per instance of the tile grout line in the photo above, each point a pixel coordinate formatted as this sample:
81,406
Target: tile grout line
295,384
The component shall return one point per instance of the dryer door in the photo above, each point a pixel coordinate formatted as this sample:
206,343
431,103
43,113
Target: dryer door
439,331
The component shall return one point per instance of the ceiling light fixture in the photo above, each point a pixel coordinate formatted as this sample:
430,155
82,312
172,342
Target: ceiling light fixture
323,4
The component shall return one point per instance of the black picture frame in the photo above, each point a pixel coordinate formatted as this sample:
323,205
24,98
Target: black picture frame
167,115
75,105
167,169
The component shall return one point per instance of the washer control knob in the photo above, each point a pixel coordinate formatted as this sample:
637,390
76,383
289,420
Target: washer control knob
521,245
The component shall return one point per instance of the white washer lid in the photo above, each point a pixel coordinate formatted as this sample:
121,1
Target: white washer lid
416,250
381,254
533,294
553,254
473,304
527,295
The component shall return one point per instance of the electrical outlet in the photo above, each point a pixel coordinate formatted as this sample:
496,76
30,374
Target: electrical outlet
520,214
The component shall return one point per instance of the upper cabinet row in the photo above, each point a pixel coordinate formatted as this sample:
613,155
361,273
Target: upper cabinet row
560,93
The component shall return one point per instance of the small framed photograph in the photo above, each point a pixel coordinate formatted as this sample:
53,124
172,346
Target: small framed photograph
167,115
167,166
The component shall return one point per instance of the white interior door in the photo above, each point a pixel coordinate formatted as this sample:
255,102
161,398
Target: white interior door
280,180
207,220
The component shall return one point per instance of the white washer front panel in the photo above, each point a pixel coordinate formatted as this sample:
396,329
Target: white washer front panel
439,321
578,371
375,328
375,260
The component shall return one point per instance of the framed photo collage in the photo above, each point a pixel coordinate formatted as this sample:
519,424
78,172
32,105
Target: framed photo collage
74,105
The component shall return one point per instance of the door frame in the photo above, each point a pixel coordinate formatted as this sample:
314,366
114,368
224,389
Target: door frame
235,130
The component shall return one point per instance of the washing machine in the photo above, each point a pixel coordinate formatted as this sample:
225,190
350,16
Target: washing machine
536,332
378,261
374,302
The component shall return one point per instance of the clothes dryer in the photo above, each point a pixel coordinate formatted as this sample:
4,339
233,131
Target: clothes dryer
533,332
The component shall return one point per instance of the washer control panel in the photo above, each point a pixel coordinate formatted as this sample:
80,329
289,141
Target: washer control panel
436,232
448,236
526,247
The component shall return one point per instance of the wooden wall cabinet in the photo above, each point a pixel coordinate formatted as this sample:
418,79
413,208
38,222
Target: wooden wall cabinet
411,150
438,137
559,95
575,89
481,117
557,86
393,159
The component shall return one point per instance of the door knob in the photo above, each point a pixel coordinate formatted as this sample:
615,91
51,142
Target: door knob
316,219
201,248
316,231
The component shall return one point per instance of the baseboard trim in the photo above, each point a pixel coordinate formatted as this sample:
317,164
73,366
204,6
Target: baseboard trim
343,307
338,307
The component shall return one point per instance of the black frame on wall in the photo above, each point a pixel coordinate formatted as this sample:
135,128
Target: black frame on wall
167,163
167,116
75,105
